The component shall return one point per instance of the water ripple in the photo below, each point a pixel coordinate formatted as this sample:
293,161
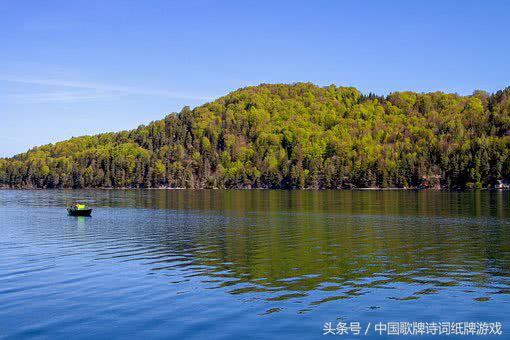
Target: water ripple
160,264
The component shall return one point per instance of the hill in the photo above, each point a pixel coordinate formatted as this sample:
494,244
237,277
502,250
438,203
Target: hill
290,136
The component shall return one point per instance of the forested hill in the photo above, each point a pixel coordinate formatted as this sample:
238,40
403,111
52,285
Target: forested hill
290,136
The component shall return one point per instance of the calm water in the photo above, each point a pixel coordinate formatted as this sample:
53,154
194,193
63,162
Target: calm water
248,264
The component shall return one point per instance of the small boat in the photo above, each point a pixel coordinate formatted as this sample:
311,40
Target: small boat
78,209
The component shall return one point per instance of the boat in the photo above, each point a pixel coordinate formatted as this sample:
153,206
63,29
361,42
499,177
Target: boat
78,209
502,184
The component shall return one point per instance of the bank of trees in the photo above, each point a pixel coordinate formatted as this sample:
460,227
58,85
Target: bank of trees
289,136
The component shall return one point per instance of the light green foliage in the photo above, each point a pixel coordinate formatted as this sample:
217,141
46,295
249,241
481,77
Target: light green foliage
290,136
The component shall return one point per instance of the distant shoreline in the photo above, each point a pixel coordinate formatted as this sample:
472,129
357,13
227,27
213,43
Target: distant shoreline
264,189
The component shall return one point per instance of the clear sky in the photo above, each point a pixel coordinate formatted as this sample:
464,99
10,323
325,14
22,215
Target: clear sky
69,68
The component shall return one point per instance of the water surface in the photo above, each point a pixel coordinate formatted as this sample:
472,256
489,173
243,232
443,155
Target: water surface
248,264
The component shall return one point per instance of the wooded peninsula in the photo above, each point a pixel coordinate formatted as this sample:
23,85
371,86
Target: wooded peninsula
290,136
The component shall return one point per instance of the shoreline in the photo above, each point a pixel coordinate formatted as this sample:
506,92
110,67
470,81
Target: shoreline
276,189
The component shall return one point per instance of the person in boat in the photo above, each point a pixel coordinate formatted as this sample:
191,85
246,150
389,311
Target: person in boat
78,206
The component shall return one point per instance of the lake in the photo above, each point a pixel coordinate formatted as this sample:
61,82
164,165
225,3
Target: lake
249,264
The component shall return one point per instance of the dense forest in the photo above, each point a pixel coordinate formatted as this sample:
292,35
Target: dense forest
290,136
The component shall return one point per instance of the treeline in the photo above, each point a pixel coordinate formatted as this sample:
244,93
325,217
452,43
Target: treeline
290,136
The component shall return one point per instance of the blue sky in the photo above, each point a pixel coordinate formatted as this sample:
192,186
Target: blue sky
69,68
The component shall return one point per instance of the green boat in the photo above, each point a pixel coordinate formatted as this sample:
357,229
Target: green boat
78,209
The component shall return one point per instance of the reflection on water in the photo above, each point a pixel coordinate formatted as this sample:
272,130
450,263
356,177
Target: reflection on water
187,263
